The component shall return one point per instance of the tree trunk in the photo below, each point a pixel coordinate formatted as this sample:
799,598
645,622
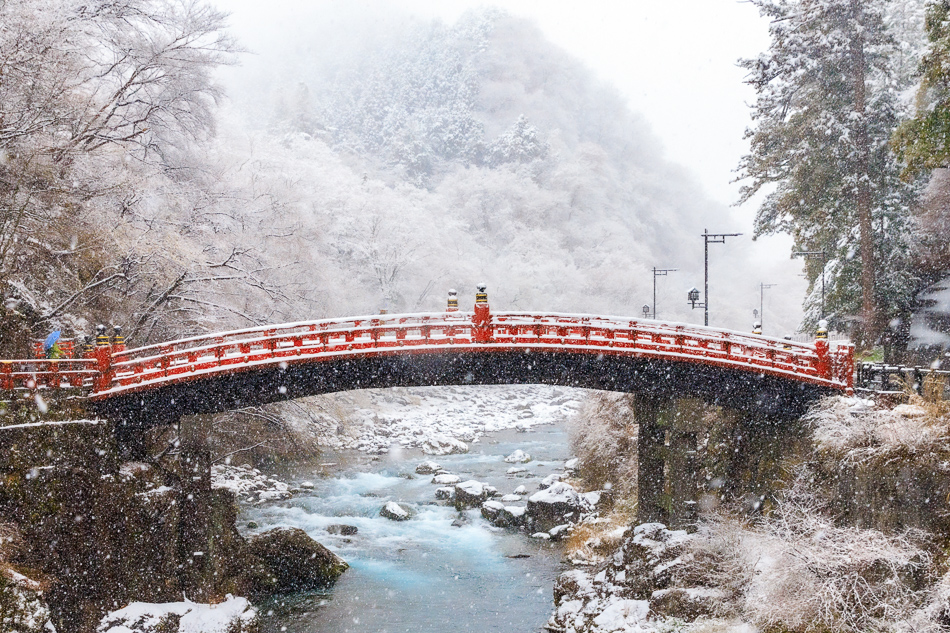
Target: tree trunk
863,192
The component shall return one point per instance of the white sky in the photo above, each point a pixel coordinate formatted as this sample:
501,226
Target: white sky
675,62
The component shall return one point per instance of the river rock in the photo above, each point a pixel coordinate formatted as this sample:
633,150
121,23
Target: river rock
521,490
550,480
558,504
470,494
559,532
446,480
443,445
571,464
428,468
518,457
344,530
510,517
444,494
395,511
306,485
295,561
514,470
510,498
490,510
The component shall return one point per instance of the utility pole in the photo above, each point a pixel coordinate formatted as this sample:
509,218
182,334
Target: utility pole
659,272
762,289
708,238
824,262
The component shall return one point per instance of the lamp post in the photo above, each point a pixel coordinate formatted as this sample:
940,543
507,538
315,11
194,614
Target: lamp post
762,289
708,238
824,262
646,312
659,272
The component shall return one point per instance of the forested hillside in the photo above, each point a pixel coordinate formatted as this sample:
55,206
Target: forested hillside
374,177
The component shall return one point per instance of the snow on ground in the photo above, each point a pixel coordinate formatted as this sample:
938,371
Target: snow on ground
234,615
248,484
439,420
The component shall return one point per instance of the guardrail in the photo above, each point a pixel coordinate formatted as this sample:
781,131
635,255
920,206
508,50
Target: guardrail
877,376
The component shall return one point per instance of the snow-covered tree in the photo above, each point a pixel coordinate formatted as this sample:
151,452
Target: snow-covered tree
826,108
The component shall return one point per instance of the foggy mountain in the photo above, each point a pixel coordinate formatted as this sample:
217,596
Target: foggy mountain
414,157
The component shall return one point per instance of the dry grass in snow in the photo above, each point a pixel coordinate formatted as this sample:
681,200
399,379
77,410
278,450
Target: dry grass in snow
855,429
797,571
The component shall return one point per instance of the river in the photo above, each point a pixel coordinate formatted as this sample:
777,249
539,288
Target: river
425,574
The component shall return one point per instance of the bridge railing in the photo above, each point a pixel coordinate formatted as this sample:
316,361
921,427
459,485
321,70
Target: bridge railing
39,374
244,349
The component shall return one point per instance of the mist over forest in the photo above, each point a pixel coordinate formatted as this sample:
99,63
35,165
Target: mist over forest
470,152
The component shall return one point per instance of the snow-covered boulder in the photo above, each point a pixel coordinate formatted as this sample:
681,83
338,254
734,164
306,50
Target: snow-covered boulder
446,479
518,457
510,517
248,484
514,470
559,532
521,490
510,498
490,510
550,480
234,615
445,493
443,445
571,464
471,494
395,511
428,468
645,580
558,504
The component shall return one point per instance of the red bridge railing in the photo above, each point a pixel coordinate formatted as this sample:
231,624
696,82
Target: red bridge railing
204,356
117,370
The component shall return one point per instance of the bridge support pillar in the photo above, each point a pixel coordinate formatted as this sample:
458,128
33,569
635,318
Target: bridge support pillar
651,444
667,477
194,524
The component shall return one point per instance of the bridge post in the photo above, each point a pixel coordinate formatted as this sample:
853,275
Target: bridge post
481,331
104,359
453,303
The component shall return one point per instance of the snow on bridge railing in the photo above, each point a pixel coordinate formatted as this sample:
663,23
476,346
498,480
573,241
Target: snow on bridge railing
203,356
41,374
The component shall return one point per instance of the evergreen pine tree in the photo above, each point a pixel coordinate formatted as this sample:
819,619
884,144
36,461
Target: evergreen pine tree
825,111
923,143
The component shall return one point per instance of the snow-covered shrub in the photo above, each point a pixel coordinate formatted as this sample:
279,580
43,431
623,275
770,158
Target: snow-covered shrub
854,430
604,438
795,570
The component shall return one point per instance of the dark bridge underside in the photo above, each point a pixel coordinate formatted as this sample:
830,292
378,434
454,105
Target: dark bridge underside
746,391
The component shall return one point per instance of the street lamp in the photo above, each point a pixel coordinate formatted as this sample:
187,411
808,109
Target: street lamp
708,238
762,289
692,295
659,272
824,262
646,312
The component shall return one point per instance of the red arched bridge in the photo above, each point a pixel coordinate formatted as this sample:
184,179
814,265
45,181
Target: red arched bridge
156,384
